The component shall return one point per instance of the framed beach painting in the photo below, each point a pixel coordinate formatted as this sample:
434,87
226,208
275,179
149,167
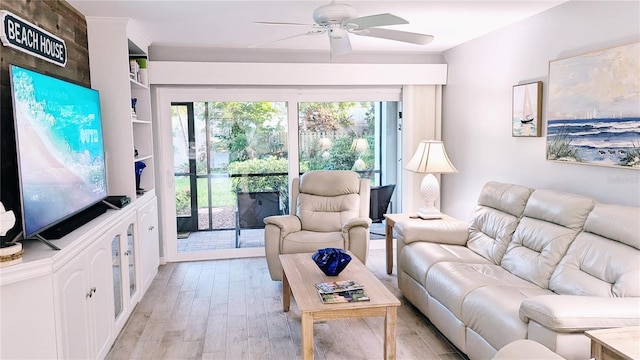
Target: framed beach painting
593,108
526,109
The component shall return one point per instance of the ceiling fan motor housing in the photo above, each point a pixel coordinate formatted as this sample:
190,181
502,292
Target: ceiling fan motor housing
334,14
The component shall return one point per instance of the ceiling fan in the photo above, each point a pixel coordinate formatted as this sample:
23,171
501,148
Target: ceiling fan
340,20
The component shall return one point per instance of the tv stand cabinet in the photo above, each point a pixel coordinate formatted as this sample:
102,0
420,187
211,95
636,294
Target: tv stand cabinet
62,304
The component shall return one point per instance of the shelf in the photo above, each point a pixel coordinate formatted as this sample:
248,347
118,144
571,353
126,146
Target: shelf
147,194
136,84
143,157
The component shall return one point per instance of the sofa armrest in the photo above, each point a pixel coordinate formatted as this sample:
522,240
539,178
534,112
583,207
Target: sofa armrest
447,231
574,313
286,223
351,223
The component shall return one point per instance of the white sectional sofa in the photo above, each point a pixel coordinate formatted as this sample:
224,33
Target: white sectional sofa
530,264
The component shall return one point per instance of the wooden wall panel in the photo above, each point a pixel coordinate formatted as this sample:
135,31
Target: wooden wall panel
61,19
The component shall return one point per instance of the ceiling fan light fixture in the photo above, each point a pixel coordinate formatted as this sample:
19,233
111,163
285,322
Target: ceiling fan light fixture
336,33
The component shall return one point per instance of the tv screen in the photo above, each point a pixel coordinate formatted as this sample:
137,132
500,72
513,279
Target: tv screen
60,148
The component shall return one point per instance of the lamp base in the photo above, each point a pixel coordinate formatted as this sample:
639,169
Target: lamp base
430,189
429,213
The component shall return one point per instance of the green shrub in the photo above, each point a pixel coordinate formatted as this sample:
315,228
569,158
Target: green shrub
183,202
341,156
268,165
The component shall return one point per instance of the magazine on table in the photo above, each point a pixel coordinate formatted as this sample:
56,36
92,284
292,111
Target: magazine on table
343,296
331,287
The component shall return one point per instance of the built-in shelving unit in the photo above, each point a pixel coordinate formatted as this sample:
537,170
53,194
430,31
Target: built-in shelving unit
141,114
113,44
74,302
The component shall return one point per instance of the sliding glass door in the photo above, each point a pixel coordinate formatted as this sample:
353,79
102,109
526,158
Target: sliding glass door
348,136
184,167
230,171
233,156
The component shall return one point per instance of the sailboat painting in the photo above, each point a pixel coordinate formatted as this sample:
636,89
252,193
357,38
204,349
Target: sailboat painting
527,107
593,108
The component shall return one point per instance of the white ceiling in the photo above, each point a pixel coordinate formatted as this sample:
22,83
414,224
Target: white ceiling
230,24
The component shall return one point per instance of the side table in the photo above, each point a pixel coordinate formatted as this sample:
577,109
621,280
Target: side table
391,220
616,343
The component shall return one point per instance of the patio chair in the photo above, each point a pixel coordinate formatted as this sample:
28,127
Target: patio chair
331,210
380,200
253,207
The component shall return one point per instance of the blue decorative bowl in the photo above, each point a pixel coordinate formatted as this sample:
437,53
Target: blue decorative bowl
331,260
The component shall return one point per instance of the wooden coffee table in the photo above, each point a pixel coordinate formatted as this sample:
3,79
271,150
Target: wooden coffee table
300,274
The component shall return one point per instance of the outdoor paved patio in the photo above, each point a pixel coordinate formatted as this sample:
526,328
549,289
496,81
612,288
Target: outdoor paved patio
226,239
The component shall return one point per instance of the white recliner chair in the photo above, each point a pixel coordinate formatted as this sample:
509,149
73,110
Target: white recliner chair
330,209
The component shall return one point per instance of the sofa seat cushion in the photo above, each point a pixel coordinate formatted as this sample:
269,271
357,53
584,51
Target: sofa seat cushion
486,307
451,282
310,241
415,259
526,350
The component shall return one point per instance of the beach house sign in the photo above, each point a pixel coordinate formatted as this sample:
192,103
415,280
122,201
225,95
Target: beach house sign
24,36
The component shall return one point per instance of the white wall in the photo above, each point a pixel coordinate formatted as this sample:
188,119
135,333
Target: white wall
477,105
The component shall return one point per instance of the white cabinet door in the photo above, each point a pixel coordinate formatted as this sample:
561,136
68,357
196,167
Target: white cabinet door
27,318
148,242
130,264
125,267
73,298
85,298
101,300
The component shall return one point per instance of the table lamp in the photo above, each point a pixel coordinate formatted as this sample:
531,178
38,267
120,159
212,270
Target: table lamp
430,158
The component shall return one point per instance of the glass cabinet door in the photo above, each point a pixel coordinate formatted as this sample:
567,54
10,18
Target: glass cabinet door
116,262
131,260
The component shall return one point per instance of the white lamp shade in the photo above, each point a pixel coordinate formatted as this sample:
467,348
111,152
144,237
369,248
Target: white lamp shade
430,157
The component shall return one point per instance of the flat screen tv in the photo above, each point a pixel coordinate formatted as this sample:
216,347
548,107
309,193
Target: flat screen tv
60,149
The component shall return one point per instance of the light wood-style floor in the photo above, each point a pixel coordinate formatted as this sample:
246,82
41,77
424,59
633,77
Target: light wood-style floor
231,309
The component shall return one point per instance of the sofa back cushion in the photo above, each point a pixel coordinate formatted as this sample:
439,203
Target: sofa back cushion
327,199
604,259
550,223
495,218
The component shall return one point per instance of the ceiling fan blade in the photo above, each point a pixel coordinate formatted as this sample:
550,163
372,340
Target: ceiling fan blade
366,22
281,23
404,36
340,45
312,32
